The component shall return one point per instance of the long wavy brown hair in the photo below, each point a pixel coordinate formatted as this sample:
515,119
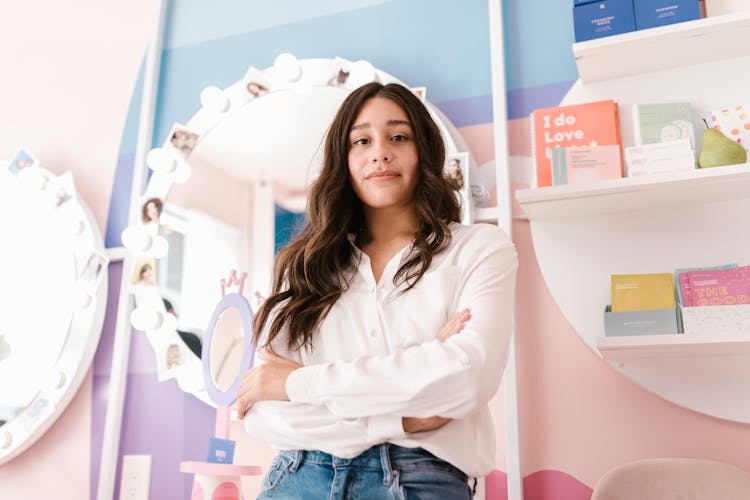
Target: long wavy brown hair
312,272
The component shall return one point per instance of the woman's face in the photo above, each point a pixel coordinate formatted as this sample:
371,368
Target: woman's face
152,211
147,275
254,89
383,158
453,167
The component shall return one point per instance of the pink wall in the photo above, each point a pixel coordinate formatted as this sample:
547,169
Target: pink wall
69,71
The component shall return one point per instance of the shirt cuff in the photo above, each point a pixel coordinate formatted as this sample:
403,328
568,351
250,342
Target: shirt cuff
301,385
382,428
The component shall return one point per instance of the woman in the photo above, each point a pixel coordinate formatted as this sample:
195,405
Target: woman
151,210
454,175
365,385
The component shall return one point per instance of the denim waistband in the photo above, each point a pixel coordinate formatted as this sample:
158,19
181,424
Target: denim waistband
388,457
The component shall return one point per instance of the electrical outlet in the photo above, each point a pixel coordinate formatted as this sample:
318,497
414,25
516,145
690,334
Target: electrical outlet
135,477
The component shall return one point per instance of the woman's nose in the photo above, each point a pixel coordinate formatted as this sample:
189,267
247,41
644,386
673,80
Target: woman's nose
381,152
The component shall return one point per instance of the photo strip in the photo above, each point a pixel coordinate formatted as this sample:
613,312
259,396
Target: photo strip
151,210
22,160
144,271
456,172
182,140
340,74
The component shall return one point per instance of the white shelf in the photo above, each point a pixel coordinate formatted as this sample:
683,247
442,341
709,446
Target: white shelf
672,345
485,214
637,193
675,45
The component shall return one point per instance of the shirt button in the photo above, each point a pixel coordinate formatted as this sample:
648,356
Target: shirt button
373,333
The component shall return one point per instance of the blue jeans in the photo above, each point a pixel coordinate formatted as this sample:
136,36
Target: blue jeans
382,472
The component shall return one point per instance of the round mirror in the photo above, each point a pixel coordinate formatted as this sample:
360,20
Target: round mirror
251,151
226,349
229,349
52,299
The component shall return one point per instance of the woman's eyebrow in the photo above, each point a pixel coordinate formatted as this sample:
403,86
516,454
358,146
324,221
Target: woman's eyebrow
360,126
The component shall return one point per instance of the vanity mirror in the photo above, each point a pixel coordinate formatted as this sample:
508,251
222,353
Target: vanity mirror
53,295
250,150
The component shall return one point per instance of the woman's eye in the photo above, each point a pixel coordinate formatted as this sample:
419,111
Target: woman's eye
360,142
399,138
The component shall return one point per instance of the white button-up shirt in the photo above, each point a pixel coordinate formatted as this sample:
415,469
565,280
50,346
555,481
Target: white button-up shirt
376,359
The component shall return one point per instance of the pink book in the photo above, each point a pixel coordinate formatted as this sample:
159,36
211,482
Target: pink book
720,286
593,163
684,284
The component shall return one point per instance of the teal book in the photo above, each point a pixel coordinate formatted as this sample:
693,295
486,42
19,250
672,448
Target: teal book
662,122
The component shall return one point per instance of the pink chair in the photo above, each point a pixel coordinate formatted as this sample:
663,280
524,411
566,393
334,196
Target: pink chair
673,479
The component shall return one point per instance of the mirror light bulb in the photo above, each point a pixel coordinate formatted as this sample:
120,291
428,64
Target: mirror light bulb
160,160
33,178
85,300
145,319
158,247
134,238
214,100
287,67
6,438
361,73
181,173
59,380
77,227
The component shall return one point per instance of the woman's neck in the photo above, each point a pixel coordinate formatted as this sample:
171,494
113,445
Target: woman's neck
385,226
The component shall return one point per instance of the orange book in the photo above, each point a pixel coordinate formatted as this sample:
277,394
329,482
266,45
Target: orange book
587,124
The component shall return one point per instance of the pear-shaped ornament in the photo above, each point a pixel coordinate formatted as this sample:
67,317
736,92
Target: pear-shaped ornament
718,150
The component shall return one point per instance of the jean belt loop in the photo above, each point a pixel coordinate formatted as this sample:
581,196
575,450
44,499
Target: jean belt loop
299,456
385,462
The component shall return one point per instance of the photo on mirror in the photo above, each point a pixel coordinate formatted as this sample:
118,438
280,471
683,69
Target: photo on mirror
144,271
256,89
420,92
23,159
340,74
94,268
151,210
456,172
182,140
171,354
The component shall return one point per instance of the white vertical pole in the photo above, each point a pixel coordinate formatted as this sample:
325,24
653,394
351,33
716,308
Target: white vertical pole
504,220
263,227
121,347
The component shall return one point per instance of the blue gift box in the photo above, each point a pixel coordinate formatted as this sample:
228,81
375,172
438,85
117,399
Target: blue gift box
653,13
220,451
603,18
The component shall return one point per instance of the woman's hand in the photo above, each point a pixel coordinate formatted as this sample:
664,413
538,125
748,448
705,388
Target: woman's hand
266,382
452,327
413,424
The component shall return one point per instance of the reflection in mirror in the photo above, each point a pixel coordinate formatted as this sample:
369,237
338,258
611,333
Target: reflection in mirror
226,348
251,150
52,300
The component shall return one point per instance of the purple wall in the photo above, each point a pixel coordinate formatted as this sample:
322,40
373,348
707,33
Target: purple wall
158,420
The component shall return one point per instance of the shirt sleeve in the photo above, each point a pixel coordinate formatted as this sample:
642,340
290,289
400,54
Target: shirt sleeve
290,425
450,379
